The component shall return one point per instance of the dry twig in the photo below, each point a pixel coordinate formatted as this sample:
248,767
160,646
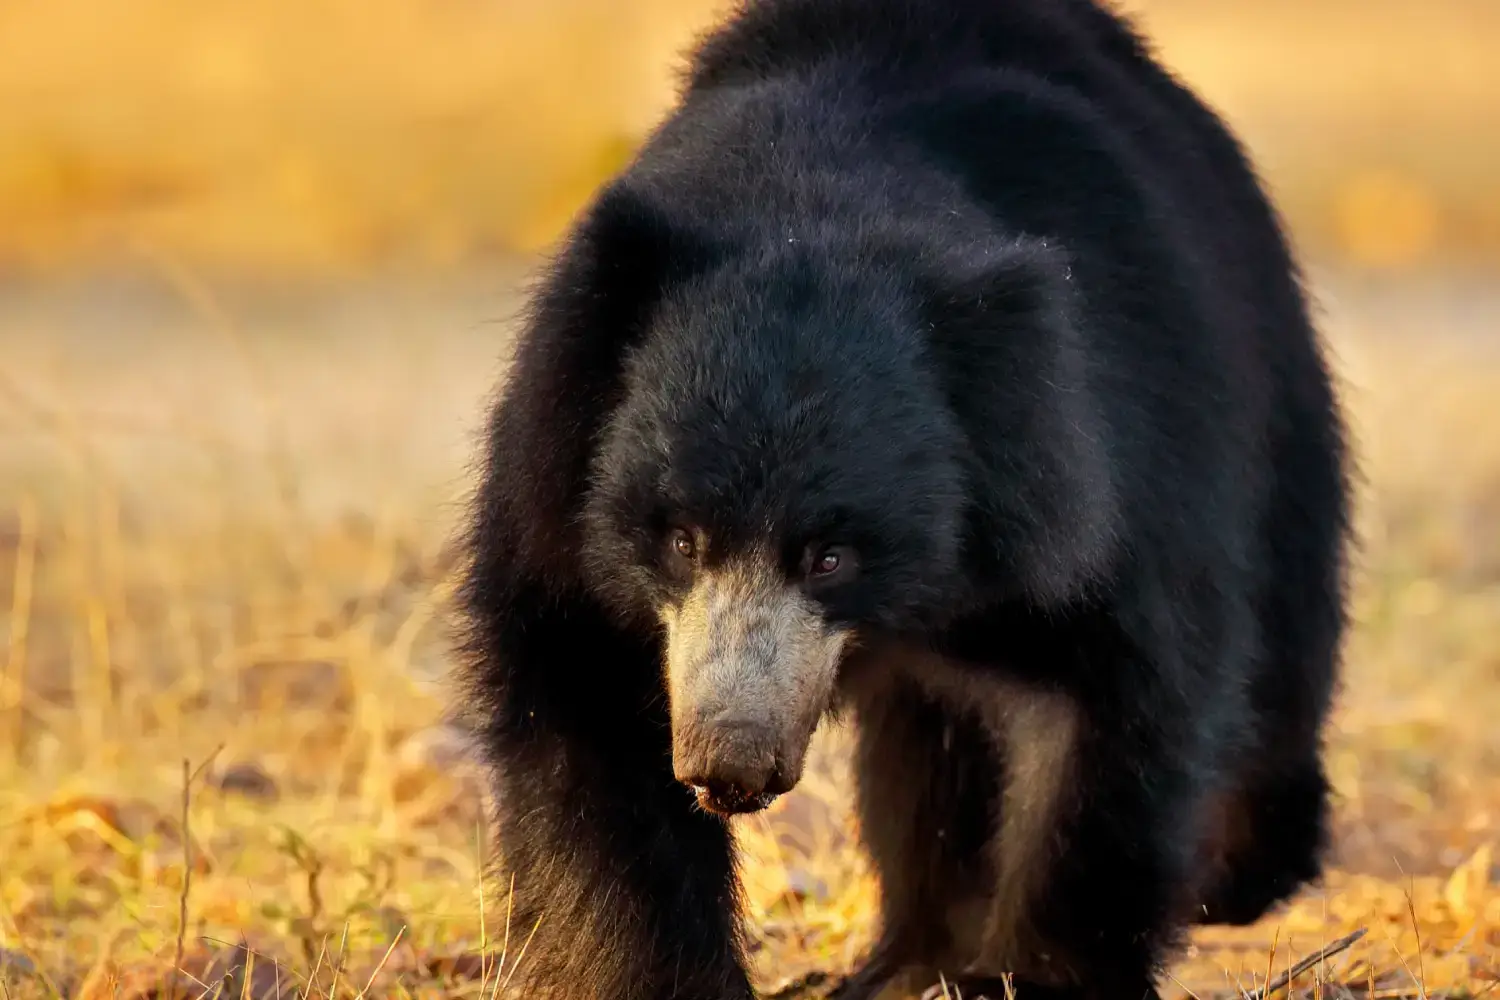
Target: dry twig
1317,958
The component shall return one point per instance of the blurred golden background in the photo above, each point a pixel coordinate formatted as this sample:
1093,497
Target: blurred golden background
288,136
258,267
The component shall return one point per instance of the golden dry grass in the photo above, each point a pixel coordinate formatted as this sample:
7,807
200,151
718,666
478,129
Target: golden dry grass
222,547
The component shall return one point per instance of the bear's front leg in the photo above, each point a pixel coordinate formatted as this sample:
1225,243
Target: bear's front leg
628,884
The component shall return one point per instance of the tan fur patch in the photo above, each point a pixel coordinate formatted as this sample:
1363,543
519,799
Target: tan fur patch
1039,730
1036,734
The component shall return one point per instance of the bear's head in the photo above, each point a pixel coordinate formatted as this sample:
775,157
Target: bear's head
778,475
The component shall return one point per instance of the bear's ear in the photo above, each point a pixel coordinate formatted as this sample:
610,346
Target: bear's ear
1024,283
1012,341
592,304
628,250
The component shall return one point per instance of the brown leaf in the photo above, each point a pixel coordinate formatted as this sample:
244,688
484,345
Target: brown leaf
121,830
464,967
241,971
271,684
804,885
229,972
248,780
111,819
15,967
108,980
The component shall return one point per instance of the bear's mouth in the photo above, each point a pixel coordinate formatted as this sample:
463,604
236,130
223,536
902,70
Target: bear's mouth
725,800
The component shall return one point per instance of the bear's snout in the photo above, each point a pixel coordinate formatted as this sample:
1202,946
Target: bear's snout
751,666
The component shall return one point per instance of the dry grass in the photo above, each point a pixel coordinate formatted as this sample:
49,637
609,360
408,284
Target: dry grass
222,549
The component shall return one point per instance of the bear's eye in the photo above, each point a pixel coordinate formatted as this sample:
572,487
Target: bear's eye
829,562
683,545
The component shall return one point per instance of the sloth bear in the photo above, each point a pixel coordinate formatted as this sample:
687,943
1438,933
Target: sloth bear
940,365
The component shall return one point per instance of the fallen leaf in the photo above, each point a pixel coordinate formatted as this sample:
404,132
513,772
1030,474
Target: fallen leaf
146,840
15,966
1465,889
805,886
248,780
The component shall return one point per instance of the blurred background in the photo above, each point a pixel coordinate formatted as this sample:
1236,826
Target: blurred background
258,268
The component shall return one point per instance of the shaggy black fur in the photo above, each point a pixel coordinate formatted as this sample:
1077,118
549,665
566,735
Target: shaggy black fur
977,285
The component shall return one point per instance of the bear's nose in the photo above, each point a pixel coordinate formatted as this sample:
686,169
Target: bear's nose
731,765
